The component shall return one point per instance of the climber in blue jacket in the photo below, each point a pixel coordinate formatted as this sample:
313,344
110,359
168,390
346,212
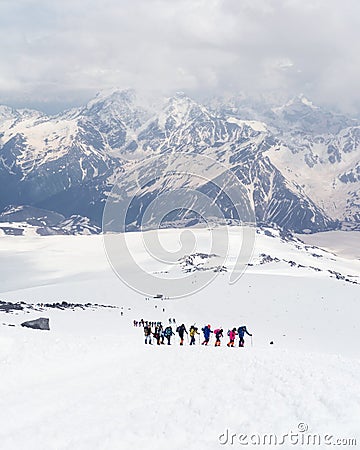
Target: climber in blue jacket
241,332
207,332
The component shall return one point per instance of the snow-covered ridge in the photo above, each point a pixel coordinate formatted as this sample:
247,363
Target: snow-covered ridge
300,99
30,221
257,126
317,149
299,163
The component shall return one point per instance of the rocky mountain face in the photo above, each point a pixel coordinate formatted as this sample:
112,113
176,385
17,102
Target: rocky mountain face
187,127
298,165
316,149
29,220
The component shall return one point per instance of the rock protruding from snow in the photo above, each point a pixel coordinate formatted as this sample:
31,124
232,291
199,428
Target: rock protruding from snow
38,324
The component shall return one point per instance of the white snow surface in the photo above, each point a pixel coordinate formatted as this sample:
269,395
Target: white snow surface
92,383
254,124
345,243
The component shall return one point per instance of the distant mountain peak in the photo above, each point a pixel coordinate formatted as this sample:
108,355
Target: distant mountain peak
305,101
298,101
180,94
106,97
182,108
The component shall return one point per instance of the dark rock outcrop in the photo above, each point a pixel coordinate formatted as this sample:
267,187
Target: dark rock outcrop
38,324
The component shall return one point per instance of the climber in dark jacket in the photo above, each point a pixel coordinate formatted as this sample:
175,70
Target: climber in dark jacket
181,330
147,333
241,332
218,335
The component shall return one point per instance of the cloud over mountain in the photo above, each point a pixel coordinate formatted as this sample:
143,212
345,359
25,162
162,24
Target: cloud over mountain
59,53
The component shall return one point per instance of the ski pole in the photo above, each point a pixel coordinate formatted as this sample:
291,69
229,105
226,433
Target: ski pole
251,341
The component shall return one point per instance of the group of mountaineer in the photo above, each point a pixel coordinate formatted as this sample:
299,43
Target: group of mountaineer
160,333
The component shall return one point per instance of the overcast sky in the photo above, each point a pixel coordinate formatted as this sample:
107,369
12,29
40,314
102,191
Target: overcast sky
56,53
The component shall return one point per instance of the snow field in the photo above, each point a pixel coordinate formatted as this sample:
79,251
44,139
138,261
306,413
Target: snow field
91,383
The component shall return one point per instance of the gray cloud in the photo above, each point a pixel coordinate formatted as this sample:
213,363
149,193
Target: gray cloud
59,53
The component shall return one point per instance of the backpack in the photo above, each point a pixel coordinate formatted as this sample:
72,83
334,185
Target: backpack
228,333
178,329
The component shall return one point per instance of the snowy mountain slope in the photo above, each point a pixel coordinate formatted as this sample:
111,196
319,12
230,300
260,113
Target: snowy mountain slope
317,149
56,164
91,129
116,116
63,163
301,115
34,216
27,220
115,386
339,242
88,258
69,162
326,166
187,127
91,382
298,115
